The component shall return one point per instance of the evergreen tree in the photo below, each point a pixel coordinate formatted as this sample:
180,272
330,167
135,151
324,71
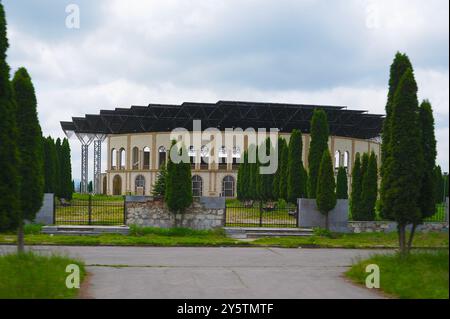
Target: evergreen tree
67,188
276,179
355,200
439,184
403,170
252,172
369,191
90,187
364,164
267,179
243,178
284,172
326,194
59,168
50,166
31,166
9,158
399,66
318,145
178,194
342,184
296,179
159,189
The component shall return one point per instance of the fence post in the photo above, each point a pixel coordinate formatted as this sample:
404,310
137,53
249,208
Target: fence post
90,209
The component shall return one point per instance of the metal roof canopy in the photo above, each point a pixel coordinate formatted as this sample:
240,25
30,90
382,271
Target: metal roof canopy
225,114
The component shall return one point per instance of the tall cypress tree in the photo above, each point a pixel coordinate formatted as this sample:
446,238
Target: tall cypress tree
66,172
9,176
439,184
29,143
355,200
326,186
364,164
284,172
319,144
59,168
403,171
369,189
399,66
276,178
296,179
342,184
428,194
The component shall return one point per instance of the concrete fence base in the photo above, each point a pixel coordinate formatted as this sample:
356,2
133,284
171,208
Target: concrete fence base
310,217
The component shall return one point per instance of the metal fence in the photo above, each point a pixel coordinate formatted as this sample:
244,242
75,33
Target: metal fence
90,211
261,216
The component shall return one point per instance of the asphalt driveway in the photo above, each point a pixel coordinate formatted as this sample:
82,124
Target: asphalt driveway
162,272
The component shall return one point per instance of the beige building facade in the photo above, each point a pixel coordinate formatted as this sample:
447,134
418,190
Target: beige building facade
134,161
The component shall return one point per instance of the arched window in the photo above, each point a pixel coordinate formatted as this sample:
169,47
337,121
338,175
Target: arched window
146,158
139,185
135,157
347,160
122,158
337,159
117,185
162,156
113,159
197,186
228,186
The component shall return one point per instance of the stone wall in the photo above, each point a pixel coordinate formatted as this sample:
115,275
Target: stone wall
204,213
45,214
310,217
388,227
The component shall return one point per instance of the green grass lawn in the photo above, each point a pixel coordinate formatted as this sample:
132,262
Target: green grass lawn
422,275
30,276
186,237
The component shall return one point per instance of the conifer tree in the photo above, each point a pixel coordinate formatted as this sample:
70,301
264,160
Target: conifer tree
296,179
355,200
403,171
326,187
319,143
31,165
342,184
284,172
369,190
9,158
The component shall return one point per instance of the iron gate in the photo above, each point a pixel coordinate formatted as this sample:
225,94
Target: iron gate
90,211
261,216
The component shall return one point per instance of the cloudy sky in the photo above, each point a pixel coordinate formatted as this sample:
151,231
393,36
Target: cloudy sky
135,52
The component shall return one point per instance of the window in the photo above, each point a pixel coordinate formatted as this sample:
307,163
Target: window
228,186
192,155
346,160
146,158
162,156
197,186
223,158
113,159
122,159
139,185
135,158
236,157
337,159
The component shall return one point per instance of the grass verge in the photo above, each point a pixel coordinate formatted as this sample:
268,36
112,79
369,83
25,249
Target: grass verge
422,275
150,236
31,276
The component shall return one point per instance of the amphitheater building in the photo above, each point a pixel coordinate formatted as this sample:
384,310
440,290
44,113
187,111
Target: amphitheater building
138,139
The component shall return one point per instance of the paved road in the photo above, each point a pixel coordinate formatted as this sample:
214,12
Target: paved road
157,272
